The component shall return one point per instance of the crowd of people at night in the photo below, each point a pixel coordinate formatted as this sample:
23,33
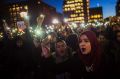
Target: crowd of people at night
85,53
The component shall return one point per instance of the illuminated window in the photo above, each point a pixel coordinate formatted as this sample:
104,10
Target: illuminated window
68,9
65,9
78,7
72,5
87,10
88,17
76,15
70,2
95,16
26,7
21,7
92,16
14,6
81,4
38,2
13,9
17,8
72,8
80,0
87,4
78,4
68,19
10,9
83,21
87,0
66,5
72,16
79,18
82,14
67,2
87,7
78,11
76,0
72,19
99,16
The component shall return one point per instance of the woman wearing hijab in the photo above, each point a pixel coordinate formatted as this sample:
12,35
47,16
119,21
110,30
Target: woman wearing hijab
90,55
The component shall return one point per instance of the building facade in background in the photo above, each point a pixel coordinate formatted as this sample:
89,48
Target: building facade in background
37,7
3,13
76,10
118,8
32,8
15,10
96,13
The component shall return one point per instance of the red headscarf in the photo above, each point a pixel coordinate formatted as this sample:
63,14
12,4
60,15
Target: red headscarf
95,56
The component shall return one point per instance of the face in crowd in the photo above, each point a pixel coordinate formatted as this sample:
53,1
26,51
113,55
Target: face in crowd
45,52
88,43
118,36
61,48
84,44
101,38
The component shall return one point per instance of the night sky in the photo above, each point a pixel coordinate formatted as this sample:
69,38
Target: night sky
108,5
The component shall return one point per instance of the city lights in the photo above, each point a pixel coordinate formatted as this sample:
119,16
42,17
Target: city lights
23,14
55,21
41,15
74,25
40,20
65,20
39,33
59,39
1,35
75,9
82,25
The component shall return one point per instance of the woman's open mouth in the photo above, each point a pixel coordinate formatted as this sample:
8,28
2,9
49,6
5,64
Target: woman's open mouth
83,49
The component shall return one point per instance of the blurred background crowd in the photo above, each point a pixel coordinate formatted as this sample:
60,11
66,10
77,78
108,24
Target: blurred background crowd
60,51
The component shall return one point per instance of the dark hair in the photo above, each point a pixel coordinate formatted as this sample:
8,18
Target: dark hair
95,56
118,31
59,40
